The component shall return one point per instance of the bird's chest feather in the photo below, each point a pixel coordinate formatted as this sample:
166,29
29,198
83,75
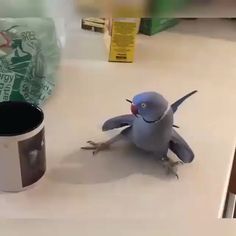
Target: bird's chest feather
152,137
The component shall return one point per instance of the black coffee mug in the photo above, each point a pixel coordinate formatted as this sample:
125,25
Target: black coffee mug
22,145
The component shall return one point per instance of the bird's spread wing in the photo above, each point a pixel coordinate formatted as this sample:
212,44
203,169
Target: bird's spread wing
179,146
118,122
175,105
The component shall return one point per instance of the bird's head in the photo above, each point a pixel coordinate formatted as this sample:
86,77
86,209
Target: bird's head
149,105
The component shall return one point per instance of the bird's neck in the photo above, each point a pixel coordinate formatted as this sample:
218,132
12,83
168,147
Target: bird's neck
159,118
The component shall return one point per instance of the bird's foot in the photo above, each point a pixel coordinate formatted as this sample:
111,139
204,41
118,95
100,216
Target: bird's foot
171,167
96,147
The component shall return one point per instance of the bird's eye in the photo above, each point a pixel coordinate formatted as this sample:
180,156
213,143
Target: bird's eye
143,105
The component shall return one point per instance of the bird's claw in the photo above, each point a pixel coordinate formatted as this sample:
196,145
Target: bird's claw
176,163
96,147
171,171
171,167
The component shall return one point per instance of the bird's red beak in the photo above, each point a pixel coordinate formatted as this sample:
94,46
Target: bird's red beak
134,110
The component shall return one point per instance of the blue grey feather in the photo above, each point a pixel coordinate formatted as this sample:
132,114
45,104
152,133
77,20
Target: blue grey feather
176,105
118,122
182,150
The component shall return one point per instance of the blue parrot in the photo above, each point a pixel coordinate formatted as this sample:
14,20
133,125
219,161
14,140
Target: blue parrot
150,127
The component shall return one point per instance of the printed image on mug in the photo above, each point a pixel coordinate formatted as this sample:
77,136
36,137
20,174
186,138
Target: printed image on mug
32,158
22,145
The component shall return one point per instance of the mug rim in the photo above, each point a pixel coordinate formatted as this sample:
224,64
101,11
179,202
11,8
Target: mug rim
30,105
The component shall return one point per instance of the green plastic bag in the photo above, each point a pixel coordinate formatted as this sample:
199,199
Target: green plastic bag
23,8
29,57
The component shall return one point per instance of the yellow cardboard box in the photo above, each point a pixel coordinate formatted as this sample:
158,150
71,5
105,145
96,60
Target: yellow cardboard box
122,40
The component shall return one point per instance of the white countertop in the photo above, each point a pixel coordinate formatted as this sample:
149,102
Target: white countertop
122,187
